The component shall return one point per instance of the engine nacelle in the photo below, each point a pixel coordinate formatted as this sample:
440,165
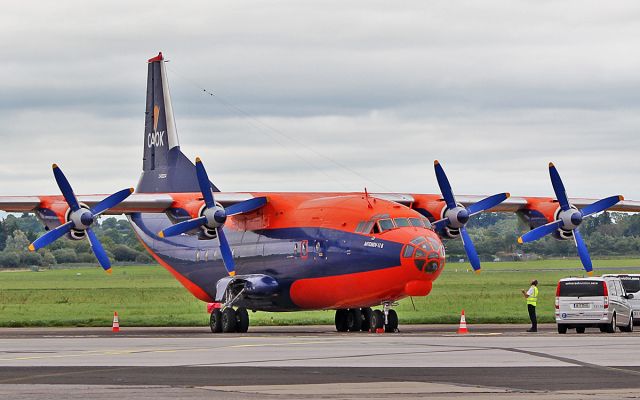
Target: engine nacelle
542,213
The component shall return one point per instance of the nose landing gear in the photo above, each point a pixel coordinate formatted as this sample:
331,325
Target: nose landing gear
365,319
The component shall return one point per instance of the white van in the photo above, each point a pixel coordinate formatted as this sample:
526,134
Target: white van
631,284
593,302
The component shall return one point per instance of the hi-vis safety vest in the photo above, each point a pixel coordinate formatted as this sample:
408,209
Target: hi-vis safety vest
533,299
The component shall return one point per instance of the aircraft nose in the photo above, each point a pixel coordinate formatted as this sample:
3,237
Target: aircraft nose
425,253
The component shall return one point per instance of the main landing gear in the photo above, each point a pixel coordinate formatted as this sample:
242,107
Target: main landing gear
367,320
229,320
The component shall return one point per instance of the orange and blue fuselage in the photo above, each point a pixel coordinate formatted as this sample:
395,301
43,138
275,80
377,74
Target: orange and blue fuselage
315,246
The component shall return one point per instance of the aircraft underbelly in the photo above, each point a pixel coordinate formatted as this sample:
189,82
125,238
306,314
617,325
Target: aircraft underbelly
302,260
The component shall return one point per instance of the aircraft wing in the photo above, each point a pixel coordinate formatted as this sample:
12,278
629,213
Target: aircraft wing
514,204
137,202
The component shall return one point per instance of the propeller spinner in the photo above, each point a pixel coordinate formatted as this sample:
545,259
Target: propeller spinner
81,218
457,216
570,218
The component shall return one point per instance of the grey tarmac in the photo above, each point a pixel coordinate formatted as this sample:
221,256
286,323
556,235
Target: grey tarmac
493,361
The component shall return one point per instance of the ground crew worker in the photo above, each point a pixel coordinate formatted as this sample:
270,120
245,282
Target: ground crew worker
532,301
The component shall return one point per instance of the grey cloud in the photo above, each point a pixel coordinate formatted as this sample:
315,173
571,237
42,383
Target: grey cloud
494,90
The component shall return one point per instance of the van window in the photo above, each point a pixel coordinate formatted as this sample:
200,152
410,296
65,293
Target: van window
581,288
631,284
619,288
613,289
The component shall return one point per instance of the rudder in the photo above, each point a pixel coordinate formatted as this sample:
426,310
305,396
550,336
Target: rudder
164,167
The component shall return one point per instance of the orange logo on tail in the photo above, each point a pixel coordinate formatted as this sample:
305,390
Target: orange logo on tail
156,114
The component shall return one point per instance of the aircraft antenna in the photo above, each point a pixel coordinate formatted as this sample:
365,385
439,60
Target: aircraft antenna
257,123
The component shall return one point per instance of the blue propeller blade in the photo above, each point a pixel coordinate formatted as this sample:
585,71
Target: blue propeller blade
101,255
111,201
65,188
487,203
540,231
558,187
51,236
205,184
470,249
600,205
445,187
227,255
583,252
246,206
183,227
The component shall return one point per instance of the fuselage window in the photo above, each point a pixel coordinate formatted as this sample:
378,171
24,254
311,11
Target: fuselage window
416,222
402,222
385,225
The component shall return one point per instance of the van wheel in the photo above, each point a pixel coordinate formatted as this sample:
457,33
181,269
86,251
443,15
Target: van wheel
611,328
628,328
604,328
562,329
580,329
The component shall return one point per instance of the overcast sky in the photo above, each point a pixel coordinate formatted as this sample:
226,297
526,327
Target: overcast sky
329,95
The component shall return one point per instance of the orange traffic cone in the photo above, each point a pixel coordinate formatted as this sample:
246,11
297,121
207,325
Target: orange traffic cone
116,324
463,324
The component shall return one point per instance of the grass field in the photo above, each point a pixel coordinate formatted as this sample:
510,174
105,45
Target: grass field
150,296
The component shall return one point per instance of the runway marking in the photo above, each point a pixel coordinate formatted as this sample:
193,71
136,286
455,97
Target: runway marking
573,361
114,352
362,355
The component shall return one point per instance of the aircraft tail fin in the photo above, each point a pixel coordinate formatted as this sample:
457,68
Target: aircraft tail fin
164,167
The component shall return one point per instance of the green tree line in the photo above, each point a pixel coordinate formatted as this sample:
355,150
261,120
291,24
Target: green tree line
17,232
495,235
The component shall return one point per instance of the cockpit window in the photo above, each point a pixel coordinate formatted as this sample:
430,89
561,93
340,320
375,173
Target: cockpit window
368,226
360,227
385,224
402,222
416,222
408,251
427,224
418,240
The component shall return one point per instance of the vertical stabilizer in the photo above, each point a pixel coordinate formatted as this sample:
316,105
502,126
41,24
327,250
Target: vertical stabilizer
164,167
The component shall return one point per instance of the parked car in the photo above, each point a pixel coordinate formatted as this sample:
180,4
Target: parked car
593,303
631,284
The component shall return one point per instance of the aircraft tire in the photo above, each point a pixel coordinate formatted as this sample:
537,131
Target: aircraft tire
341,320
215,321
354,320
392,326
377,320
242,320
366,319
229,320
